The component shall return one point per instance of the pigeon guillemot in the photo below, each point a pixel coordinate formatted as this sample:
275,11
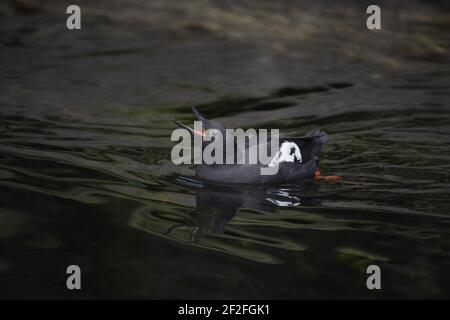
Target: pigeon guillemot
297,158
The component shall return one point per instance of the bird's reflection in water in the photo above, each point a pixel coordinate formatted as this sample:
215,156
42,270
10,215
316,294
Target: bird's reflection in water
216,205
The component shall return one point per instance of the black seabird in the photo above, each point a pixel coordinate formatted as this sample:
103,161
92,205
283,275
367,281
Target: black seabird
297,158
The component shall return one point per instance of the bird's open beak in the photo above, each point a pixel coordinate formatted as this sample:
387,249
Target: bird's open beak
183,126
199,117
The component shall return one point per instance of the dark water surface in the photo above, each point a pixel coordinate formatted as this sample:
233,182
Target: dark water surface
85,170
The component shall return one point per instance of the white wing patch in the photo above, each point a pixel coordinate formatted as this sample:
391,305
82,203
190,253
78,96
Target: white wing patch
289,152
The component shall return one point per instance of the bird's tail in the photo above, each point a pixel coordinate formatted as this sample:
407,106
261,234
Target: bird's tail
319,136
318,139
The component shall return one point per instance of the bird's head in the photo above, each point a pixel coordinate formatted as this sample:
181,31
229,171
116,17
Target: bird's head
209,129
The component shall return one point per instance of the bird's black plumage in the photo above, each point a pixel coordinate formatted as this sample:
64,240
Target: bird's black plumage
296,167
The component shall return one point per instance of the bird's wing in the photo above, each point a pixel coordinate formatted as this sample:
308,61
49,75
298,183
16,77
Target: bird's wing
310,145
